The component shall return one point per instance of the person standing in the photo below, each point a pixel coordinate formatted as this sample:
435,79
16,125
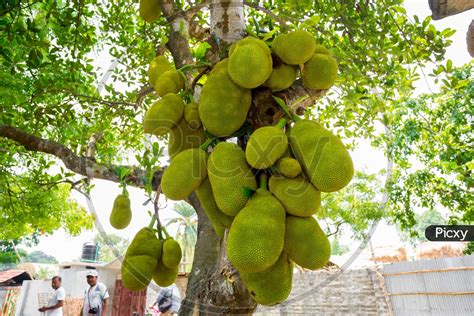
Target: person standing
56,303
168,300
96,297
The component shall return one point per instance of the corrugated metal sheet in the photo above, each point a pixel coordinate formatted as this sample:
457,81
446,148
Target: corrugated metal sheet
435,287
11,274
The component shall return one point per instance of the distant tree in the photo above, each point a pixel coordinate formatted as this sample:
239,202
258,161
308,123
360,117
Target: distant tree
186,234
338,249
417,232
40,257
106,253
11,254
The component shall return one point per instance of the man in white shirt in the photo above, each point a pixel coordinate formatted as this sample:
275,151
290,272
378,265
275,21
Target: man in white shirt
56,303
96,297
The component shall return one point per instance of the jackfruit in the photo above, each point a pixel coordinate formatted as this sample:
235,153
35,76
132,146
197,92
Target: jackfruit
273,285
294,48
184,174
320,72
247,40
322,156
256,237
223,105
169,82
282,77
191,114
265,146
163,115
164,276
184,137
297,195
305,242
121,214
288,167
150,10
158,65
171,255
320,49
140,260
250,65
230,176
219,220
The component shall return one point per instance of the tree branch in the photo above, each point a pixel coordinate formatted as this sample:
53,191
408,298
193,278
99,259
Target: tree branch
80,165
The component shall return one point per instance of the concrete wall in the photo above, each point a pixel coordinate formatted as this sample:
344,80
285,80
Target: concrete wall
32,292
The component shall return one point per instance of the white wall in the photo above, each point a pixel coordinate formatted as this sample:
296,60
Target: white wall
28,303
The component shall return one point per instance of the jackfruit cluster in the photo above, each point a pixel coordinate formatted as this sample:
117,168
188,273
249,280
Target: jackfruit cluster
148,257
264,190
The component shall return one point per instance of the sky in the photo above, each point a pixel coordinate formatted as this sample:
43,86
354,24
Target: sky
66,248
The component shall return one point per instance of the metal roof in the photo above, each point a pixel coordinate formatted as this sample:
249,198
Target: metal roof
12,273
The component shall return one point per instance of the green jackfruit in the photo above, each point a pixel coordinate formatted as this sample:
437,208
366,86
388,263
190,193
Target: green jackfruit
247,40
164,276
184,137
121,214
250,65
150,10
320,49
294,48
191,114
273,285
219,220
282,77
297,195
265,146
223,105
163,115
256,237
320,72
184,174
322,155
140,260
230,177
288,167
171,256
158,65
136,272
305,242
169,82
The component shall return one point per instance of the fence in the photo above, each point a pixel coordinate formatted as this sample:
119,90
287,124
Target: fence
431,287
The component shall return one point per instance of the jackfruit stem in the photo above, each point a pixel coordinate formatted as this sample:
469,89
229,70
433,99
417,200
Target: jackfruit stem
285,109
281,123
165,232
206,144
263,179
152,222
124,190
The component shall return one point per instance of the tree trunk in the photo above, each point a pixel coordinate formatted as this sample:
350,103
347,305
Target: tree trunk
214,286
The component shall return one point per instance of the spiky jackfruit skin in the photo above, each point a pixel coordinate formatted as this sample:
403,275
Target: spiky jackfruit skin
141,260
245,41
288,167
282,77
219,219
121,214
184,174
184,137
273,285
223,105
169,82
250,65
320,72
171,255
150,10
230,177
163,115
191,115
294,48
158,65
323,156
320,49
164,276
265,146
297,195
137,272
256,237
305,242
